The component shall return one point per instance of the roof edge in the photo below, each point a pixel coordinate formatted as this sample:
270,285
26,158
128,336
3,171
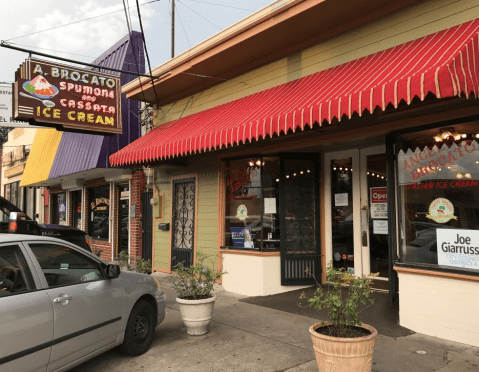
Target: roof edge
232,31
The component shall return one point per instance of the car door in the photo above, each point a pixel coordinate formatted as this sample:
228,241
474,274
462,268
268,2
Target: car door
87,307
26,314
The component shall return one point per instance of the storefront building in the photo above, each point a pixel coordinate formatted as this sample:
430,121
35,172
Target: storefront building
84,191
341,133
15,154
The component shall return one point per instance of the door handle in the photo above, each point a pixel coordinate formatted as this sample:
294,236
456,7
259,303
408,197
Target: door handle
364,226
62,299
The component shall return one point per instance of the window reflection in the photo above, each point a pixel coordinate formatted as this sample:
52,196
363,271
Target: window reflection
342,213
252,203
438,190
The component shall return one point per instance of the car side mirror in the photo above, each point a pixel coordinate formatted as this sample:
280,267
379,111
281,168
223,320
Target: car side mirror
112,271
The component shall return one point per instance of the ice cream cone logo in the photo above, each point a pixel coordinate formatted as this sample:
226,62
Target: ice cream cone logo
441,210
242,212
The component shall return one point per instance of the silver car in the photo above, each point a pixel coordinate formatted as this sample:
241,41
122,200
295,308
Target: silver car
61,305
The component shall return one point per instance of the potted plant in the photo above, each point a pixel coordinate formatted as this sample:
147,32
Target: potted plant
343,343
140,265
194,286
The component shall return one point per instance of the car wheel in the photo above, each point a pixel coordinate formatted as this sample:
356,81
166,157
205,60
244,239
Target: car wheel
139,330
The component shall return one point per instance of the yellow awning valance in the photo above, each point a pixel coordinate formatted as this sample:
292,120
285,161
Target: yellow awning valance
42,155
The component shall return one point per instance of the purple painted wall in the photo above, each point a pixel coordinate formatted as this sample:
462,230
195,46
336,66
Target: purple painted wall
78,152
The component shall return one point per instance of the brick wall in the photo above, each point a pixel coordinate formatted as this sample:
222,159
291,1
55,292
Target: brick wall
46,205
137,188
108,251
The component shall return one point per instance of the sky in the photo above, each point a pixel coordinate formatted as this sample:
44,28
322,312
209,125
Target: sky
95,25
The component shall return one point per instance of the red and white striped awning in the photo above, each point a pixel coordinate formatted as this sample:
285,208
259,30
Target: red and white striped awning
445,64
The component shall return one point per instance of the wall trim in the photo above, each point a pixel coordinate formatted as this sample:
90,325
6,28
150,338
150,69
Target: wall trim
250,253
437,274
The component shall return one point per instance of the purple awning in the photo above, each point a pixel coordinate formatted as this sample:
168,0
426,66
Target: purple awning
78,152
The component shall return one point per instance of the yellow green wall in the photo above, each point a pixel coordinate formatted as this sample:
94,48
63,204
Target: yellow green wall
401,27
396,29
204,167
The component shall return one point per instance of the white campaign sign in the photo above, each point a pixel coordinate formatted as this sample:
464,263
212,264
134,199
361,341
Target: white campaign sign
458,248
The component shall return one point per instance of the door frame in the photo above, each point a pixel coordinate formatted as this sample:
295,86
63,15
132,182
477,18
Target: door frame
360,204
303,279
173,181
117,191
364,195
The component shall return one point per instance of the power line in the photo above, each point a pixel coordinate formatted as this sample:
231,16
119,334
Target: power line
177,120
213,77
133,46
226,6
146,50
72,23
53,50
184,30
200,15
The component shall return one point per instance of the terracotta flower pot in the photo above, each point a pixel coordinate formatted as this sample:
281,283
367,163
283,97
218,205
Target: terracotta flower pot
196,314
340,354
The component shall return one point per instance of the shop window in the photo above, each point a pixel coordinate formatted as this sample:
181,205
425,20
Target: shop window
12,193
19,197
252,203
99,212
77,208
438,177
30,202
342,213
59,208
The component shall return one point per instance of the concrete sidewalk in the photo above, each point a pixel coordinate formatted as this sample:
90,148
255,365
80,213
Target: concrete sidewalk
248,338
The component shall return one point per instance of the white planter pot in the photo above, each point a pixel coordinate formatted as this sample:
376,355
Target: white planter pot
196,314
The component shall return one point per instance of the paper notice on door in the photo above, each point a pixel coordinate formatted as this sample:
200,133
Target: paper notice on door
341,200
269,205
380,227
378,197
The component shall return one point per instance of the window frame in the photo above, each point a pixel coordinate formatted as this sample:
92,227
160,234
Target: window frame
224,166
28,274
42,275
73,207
395,209
54,207
90,224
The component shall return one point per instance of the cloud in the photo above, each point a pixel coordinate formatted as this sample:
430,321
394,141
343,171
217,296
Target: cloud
87,38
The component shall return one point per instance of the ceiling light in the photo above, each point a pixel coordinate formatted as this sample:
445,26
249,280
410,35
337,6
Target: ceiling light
446,134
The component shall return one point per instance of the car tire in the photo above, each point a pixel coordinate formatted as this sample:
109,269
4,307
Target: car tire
139,330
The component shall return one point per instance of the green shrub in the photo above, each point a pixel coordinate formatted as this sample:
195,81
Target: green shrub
196,281
342,297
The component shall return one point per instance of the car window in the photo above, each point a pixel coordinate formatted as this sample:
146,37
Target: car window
65,266
15,276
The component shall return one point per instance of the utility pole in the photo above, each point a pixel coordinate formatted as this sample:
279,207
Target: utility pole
172,28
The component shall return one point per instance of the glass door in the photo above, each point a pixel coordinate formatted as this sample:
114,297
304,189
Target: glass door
355,210
123,218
